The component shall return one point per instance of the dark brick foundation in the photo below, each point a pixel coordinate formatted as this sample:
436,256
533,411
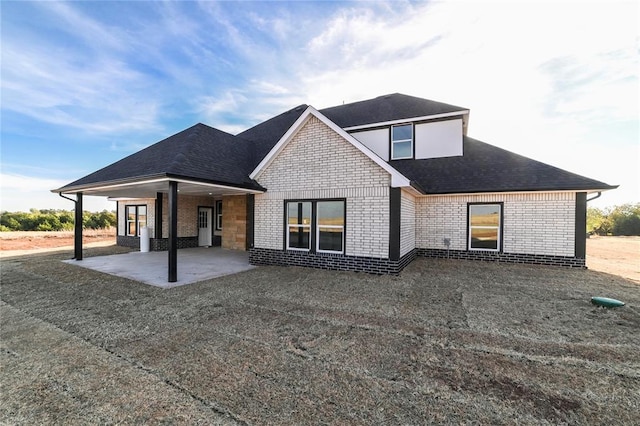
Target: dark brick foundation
489,256
156,244
260,256
338,262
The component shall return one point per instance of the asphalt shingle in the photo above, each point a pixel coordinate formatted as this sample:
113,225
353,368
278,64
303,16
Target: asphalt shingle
487,168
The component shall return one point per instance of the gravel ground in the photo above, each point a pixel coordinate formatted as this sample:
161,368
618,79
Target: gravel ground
444,342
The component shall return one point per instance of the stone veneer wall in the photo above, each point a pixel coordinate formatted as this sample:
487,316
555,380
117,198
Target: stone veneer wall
234,222
534,224
319,164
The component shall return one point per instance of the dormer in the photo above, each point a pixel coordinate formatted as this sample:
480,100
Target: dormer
418,138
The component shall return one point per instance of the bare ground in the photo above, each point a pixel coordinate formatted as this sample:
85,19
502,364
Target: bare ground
445,342
37,240
615,255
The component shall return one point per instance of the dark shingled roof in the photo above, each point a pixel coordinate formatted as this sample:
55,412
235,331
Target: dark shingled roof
199,152
265,135
487,168
209,155
386,108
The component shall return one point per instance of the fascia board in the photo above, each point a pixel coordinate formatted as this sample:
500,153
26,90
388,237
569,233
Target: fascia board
409,119
118,185
397,179
533,191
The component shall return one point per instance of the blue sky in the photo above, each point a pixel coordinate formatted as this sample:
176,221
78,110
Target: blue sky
87,83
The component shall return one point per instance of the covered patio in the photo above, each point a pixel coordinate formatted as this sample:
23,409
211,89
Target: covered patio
171,189
196,264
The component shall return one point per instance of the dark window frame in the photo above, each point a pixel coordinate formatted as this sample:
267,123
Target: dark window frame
313,230
218,216
137,219
500,226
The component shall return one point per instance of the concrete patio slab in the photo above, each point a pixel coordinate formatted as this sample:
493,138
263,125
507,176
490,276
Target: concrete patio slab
195,264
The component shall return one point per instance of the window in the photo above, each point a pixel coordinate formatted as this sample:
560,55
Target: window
402,141
218,215
316,226
485,223
330,229
299,226
136,218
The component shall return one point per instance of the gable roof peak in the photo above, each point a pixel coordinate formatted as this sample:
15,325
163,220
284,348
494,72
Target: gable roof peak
388,108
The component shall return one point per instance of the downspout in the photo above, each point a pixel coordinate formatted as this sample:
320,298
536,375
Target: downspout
77,233
597,196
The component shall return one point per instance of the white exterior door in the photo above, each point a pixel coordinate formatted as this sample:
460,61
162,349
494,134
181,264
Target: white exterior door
205,226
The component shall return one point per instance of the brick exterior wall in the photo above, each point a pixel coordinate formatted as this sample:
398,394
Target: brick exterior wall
534,259
187,221
407,223
372,265
533,223
156,244
122,216
187,213
318,164
234,222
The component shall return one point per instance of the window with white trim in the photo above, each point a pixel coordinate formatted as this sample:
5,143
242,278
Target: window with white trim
136,219
485,227
299,225
402,141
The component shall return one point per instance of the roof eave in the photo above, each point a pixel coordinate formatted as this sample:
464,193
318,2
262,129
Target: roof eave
519,191
253,188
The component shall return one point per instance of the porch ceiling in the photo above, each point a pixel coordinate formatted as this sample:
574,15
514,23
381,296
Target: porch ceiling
150,187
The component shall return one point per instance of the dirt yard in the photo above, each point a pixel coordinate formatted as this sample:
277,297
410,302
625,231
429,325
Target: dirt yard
615,255
35,240
445,342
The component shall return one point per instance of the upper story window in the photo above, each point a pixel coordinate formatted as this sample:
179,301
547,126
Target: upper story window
485,226
401,141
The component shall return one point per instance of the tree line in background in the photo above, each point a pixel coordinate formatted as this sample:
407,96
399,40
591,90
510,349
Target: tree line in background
618,220
54,220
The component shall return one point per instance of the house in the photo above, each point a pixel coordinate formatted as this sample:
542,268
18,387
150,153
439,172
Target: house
366,186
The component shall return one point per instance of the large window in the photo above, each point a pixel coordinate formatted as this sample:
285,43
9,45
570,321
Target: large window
136,218
299,225
402,141
485,226
330,229
315,226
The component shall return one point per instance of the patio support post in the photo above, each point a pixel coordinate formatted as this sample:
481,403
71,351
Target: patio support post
77,233
173,231
158,224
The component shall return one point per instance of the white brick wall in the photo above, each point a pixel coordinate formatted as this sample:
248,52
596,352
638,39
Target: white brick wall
534,223
318,163
407,223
